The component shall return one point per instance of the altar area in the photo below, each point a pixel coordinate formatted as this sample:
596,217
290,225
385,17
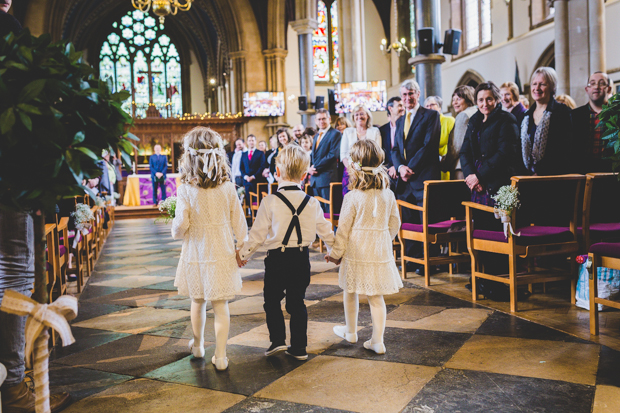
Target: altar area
139,189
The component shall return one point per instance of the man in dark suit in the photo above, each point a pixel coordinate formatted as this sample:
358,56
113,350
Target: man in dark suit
395,110
159,166
590,151
415,154
252,162
325,152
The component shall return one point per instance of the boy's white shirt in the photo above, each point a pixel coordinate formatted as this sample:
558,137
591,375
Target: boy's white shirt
274,217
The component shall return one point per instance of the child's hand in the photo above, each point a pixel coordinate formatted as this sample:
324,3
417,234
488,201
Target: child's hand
240,262
330,259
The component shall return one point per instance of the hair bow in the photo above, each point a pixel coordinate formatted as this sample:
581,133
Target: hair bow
209,160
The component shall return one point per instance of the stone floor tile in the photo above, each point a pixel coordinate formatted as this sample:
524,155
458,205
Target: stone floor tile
479,392
136,297
333,312
150,396
553,360
92,291
166,285
255,405
325,278
456,320
428,297
85,339
133,320
248,370
609,367
137,269
134,355
81,383
175,302
409,313
320,292
245,272
421,347
322,266
357,385
248,305
251,288
88,310
130,281
606,399
400,297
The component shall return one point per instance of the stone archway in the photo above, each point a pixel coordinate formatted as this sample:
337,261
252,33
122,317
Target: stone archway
470,78
547,58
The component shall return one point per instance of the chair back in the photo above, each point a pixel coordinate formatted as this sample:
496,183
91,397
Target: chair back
548,200
335,189
602,198
443,200
260,188
273,188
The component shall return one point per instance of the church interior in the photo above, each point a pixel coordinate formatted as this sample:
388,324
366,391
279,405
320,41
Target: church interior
260,68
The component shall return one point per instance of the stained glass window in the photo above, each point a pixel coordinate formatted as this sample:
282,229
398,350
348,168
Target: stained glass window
325,51
138,57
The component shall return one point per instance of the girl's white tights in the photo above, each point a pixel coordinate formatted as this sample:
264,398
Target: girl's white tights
221,324
378,314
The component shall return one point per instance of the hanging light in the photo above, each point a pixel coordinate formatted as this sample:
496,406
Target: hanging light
397,46
162,8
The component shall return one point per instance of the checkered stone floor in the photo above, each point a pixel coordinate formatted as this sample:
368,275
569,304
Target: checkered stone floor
443,354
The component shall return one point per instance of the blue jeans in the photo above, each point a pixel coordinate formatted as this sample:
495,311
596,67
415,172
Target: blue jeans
162,186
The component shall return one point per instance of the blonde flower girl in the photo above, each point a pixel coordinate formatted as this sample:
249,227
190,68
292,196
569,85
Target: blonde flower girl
208,218
369,221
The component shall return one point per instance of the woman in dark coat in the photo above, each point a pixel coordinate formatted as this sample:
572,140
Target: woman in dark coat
488,151
546,138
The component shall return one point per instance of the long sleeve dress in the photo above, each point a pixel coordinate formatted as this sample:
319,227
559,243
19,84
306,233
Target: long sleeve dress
364,242
208,221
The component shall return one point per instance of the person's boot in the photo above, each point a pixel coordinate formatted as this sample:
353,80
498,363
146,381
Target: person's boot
20,399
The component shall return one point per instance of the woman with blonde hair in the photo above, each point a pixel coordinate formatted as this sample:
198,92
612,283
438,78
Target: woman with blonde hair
363,130
208,219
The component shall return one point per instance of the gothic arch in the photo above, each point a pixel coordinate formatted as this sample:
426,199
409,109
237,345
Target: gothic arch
470,78
547,58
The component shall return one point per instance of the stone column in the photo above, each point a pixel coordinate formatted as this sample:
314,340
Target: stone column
428,68
352,40
561,48
240,80
276,81
596,22
304,29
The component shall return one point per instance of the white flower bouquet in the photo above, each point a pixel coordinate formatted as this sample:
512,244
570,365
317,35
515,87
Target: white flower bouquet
167,208
241,193
82,217
99,201
506,200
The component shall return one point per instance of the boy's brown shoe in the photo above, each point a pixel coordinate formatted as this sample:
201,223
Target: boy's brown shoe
20,399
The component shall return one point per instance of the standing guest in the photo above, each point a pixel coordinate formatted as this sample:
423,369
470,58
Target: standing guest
252,162
547,144
363,130
510,100
273,145
298,130
369,222
524,101
567,100
208,218
325,151
415,156
447,129
395,110
234,158
111,171
262,146
487,154
158,164
287,222
590,147
463,104
284,138
306,143
342,123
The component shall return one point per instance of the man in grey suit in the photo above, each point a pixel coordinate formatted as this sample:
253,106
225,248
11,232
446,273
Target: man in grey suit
325,151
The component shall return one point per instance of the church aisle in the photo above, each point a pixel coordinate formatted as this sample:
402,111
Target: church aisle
443,354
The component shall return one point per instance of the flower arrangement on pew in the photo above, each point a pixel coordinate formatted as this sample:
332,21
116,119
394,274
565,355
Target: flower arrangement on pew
506,200
241,193
99,201
167,208
82,217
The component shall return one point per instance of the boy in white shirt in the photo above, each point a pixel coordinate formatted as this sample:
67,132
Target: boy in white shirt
286,235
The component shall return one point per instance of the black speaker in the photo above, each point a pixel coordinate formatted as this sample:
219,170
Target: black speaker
303,103
426,40
319,102
331,101
452,41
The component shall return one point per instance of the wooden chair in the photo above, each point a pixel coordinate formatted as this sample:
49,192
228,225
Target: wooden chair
80,261
52,263
91,242
546,222
272,188
334,203
600,220
441,210
257,197
604,254
62,245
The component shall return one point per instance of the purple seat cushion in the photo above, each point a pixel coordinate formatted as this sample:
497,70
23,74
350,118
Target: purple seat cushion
336,216
62,249
607,249
435,228
529,235
603,230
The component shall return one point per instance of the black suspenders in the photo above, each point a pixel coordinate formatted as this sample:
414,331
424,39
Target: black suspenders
295,221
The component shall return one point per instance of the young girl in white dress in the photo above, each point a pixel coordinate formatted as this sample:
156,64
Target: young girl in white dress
208,218
369,221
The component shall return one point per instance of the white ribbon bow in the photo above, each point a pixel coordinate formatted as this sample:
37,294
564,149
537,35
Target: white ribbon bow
40,318
373,170
209,159
507,221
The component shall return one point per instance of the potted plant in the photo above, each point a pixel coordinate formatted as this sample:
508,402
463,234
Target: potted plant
56,117
609,122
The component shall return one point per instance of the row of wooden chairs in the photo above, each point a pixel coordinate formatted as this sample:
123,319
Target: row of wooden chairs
603,254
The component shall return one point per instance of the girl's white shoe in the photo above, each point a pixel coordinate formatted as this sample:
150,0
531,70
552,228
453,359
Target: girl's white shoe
198,352
341,331
378,348
220,363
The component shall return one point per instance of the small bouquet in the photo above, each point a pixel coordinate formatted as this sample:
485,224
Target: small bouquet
99,201
167,208
82,217
506,200
241,193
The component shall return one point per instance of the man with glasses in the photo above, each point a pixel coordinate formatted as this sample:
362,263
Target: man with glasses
591,148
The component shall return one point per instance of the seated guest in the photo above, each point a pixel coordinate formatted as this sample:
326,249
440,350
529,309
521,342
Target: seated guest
591,149
447,129
342,123
363,130
463,105
235,161
395,110
252,162
510,100
158,164
546,144
487,154
567,100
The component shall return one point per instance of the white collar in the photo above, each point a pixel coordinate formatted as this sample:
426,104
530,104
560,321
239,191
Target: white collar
284,183
324,131
415,108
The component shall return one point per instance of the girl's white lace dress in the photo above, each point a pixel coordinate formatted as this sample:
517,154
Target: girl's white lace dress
364,242
208,220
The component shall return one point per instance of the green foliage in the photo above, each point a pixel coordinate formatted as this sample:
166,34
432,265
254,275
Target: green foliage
55,119
610,124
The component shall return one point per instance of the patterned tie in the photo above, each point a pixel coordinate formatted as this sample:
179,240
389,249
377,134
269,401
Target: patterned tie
318,141
250,155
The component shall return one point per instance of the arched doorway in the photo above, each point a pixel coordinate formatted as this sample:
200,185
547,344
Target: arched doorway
470,78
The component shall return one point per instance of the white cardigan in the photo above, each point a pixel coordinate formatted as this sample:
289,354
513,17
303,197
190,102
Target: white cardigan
349,137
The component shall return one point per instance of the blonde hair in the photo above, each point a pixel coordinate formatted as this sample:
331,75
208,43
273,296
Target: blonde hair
513,88
293,162
342,120
567,100
549,75
360,108
366,170
191,164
